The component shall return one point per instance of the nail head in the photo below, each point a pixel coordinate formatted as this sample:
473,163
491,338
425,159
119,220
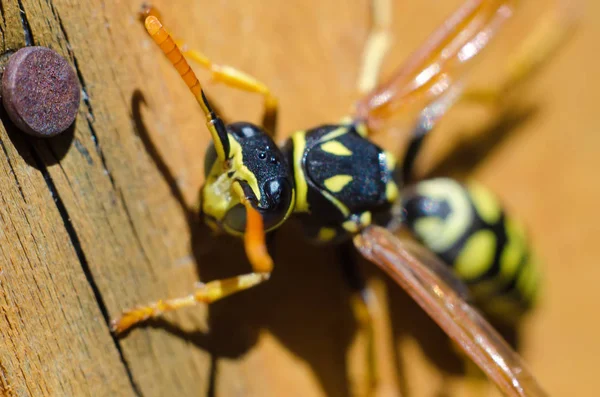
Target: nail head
40,91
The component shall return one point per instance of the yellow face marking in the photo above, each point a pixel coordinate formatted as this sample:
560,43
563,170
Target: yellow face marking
477,255
216,141
241,171
299,140
326,234
441,234
336,148
336,183
485,203
217,194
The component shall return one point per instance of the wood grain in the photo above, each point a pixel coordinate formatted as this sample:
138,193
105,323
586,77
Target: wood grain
100,218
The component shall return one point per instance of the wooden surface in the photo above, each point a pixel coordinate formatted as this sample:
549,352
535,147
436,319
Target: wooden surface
90,224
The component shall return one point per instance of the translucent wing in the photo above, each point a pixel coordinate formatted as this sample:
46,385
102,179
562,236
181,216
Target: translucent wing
439,64
439,268
460,321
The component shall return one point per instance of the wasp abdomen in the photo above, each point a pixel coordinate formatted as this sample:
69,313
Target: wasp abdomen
467,228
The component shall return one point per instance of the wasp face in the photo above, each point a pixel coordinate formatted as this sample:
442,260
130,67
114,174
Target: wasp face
259,167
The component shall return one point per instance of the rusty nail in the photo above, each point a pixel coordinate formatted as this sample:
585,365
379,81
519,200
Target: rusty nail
40,91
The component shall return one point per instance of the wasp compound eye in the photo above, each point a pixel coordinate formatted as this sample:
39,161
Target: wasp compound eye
40,92
278,194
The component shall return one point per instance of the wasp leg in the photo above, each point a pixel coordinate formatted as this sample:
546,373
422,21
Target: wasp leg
230,76
541,44
415,144
377,45
204,293
363,309
235,78
262,266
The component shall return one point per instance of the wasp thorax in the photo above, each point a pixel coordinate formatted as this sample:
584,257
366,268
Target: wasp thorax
255,163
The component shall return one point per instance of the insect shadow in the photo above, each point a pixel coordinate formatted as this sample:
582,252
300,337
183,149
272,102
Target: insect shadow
306,303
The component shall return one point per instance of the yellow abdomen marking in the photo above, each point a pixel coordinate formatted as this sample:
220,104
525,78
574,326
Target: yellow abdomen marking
336,148
441,234
513,251
485,203
529,280
336,183
477,255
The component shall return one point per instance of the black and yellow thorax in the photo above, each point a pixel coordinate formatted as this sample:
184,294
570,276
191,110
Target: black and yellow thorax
343,181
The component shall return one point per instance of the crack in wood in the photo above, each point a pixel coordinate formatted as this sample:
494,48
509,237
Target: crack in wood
64,214
12,171
86,98
29,40
5,387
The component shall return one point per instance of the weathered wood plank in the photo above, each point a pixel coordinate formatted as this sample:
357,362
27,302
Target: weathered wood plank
54,340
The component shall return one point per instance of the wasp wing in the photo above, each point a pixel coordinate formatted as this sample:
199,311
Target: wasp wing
438,267
439,64
458,319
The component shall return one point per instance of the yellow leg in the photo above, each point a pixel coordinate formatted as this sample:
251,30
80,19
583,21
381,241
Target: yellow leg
204,293
235,78
229,76
262,266
377,45
364,308
550,33
363,314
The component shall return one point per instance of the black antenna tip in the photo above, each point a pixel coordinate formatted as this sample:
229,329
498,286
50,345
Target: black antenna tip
205,100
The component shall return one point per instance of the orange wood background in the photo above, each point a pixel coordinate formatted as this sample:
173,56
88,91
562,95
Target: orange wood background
109,231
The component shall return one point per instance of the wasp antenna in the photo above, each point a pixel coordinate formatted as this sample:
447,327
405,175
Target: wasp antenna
166,43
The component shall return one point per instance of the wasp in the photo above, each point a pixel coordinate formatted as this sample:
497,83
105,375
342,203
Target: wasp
343,187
